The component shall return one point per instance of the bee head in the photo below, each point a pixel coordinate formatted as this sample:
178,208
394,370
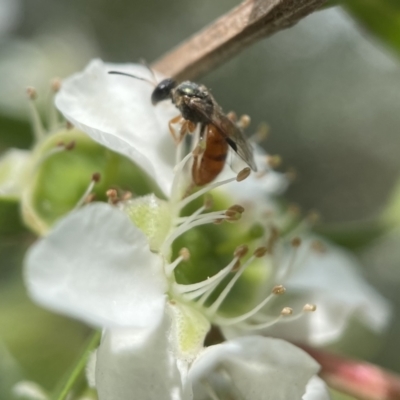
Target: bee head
163,91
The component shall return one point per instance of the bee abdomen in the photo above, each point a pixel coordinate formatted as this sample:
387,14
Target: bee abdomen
207,166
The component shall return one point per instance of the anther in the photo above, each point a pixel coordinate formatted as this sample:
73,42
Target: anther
232,215
286,311
313,217
208,201
294,209
184,253
274,161
236,266
243,174
261,133
309,308
244,121
84,199
273,238
232,116
96,177
218,221
260,252
37,125
69,125
318,246
90,198
237,208
55,84
71,145
126,195
31,92
112,196
278,290
296,242
241,251
291,174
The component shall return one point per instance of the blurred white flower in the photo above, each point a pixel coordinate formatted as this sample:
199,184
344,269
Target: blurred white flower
117,112
143,363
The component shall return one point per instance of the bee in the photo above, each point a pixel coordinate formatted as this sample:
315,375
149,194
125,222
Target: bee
198,107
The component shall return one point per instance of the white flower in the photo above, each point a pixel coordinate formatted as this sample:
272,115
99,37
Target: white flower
97,266
143,363
118,113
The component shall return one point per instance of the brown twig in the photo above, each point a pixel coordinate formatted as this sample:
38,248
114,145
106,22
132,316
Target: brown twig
230,34
357,378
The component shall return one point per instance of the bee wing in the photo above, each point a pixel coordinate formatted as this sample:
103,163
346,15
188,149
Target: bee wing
231,132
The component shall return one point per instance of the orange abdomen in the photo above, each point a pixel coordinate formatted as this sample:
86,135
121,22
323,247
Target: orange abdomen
207,166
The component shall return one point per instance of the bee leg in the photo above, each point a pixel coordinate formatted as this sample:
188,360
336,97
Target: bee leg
173,121
191,126
184,130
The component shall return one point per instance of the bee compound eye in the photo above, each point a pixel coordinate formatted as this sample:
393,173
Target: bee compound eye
162,91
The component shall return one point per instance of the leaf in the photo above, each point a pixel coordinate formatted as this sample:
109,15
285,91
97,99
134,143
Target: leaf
379,17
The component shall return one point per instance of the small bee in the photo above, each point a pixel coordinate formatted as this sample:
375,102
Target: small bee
198,106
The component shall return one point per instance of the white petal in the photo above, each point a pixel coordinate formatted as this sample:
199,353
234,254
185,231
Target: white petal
333,281
13,172
316,390
253,368
138,364
117,112
96,266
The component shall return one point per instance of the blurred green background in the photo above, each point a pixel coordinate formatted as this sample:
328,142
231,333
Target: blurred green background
329,89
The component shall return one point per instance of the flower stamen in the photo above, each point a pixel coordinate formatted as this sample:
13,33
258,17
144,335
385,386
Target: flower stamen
37,125
95,179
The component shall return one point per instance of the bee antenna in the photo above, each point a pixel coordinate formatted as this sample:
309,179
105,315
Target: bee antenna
132,76
143,61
